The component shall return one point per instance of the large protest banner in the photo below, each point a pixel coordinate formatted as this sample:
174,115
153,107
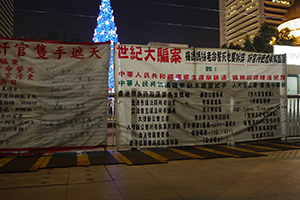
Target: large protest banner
53,94
172,96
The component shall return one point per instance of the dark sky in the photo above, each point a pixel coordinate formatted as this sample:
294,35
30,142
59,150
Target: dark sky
193,22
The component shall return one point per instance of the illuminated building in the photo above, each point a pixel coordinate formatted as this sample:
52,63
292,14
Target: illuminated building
292,21
6,18
239,18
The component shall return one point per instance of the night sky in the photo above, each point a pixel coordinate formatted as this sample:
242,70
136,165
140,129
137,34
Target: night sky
192,22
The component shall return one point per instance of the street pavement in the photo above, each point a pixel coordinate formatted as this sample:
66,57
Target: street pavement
275,176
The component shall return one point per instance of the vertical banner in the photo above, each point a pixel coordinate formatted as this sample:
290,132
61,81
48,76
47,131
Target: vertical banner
174,97
53,94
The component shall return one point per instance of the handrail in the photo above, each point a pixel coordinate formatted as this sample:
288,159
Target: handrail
293,116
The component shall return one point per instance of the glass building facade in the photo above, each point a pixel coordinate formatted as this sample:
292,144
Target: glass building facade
239,18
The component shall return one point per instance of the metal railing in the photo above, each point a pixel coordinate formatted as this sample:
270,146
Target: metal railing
111,125
293,116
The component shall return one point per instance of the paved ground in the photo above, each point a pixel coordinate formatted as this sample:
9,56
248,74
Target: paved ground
276,176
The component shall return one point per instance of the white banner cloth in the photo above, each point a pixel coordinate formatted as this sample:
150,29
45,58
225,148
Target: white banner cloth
174,97
53,94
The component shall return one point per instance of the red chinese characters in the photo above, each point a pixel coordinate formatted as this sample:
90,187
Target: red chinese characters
8,71
21,49
201,77
41,50
167,76
30,72
13,71
150,53
258,77
59,52
3,48
77,53
161,55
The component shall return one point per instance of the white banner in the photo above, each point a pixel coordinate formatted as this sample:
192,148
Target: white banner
173,96
53,94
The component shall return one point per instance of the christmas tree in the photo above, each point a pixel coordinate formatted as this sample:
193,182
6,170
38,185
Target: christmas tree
106,31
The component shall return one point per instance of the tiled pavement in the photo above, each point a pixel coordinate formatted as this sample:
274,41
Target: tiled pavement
275,176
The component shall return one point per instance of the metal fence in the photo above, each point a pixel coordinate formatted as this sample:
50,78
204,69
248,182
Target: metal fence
293,116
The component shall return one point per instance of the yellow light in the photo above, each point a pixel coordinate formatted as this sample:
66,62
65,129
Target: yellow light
293,25
272,41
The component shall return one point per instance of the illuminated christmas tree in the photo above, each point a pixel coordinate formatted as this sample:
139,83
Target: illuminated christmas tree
106,30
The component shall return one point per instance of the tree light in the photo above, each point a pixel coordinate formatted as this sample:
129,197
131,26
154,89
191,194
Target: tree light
106,31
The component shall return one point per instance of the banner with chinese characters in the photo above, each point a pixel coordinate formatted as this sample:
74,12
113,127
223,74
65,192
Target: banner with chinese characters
53,94
173,97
